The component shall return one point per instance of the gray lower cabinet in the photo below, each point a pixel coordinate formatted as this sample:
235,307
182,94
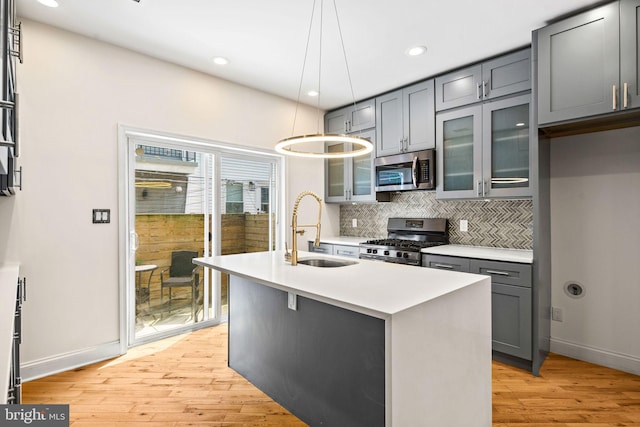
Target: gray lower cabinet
353,118
335,249
511,300
405,120
505,75
323,363
588,64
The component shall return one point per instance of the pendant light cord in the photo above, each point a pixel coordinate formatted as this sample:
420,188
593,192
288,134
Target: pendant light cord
304,65
344,53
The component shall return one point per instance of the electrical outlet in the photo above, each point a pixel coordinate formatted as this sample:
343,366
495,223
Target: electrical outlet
354,222
292,301
464,225
556,314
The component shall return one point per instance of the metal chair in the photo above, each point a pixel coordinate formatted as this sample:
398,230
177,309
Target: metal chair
182,273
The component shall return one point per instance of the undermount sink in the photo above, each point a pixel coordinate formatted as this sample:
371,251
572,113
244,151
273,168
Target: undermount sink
324,262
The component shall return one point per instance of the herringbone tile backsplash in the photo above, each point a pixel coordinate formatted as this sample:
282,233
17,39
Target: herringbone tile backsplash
495,223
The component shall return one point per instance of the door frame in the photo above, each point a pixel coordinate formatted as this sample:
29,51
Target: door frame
126,216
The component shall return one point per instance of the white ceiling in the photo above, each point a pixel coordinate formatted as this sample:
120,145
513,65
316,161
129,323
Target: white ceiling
265,40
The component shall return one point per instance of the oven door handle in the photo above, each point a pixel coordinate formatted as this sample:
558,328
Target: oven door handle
415,171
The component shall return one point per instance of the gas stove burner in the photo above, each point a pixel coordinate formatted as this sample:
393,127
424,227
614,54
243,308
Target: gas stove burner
407,236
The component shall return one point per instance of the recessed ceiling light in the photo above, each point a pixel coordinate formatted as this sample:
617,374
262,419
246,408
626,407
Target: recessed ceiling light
220,60
313,93
416,50
49,3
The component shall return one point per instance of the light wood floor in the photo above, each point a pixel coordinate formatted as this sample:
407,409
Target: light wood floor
185,381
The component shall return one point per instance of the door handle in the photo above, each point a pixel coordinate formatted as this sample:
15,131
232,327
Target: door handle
414,171
625,95
614,104
134,241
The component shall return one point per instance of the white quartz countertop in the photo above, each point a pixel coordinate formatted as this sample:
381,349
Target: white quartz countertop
375,288
343,240
481,252
8,288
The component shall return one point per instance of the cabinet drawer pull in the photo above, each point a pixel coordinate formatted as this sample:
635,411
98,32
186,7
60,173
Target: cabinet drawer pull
341,252
625,95
450,267
614,98
499,273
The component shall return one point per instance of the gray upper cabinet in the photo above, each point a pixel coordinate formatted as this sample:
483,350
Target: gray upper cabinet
350,179
484,150
405,119
630,53
505,75
353,118
578,65
588,64
459,88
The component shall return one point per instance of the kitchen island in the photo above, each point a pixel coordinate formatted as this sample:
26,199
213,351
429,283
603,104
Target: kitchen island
371,344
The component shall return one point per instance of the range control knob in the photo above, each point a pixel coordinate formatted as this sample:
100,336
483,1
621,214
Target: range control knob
375,251
399,254
405,255
386,252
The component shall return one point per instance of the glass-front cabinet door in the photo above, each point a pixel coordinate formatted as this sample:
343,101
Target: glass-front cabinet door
335,190
506,136
350,179
362,173
459,150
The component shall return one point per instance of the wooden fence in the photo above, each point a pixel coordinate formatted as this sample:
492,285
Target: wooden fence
161,234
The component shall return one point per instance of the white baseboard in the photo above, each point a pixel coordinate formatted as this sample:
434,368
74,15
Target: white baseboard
67,361
621,362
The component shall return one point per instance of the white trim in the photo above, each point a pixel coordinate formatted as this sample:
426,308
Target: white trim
126,218
67,361
598,356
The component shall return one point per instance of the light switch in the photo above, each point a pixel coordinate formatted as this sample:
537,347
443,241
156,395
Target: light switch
101,216
464,225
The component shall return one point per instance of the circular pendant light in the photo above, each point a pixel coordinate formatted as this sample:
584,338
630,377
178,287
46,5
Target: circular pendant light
293,146
301,146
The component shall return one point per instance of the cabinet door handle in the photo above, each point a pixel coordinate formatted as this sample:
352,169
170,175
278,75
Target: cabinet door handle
499,273
478,94
625,95
484,89
484,187
446,266
615,107
479,188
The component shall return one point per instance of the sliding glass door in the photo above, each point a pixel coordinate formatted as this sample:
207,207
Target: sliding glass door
188,200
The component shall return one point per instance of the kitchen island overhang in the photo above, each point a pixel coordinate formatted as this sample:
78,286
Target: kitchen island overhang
434,329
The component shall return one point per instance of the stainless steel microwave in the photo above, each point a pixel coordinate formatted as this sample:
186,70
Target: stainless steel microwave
406,171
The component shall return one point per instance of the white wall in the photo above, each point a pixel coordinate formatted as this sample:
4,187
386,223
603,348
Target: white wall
595,238
75,91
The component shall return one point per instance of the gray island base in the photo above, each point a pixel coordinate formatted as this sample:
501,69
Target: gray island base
370,344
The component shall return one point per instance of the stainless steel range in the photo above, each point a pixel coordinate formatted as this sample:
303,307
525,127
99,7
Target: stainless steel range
406,236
